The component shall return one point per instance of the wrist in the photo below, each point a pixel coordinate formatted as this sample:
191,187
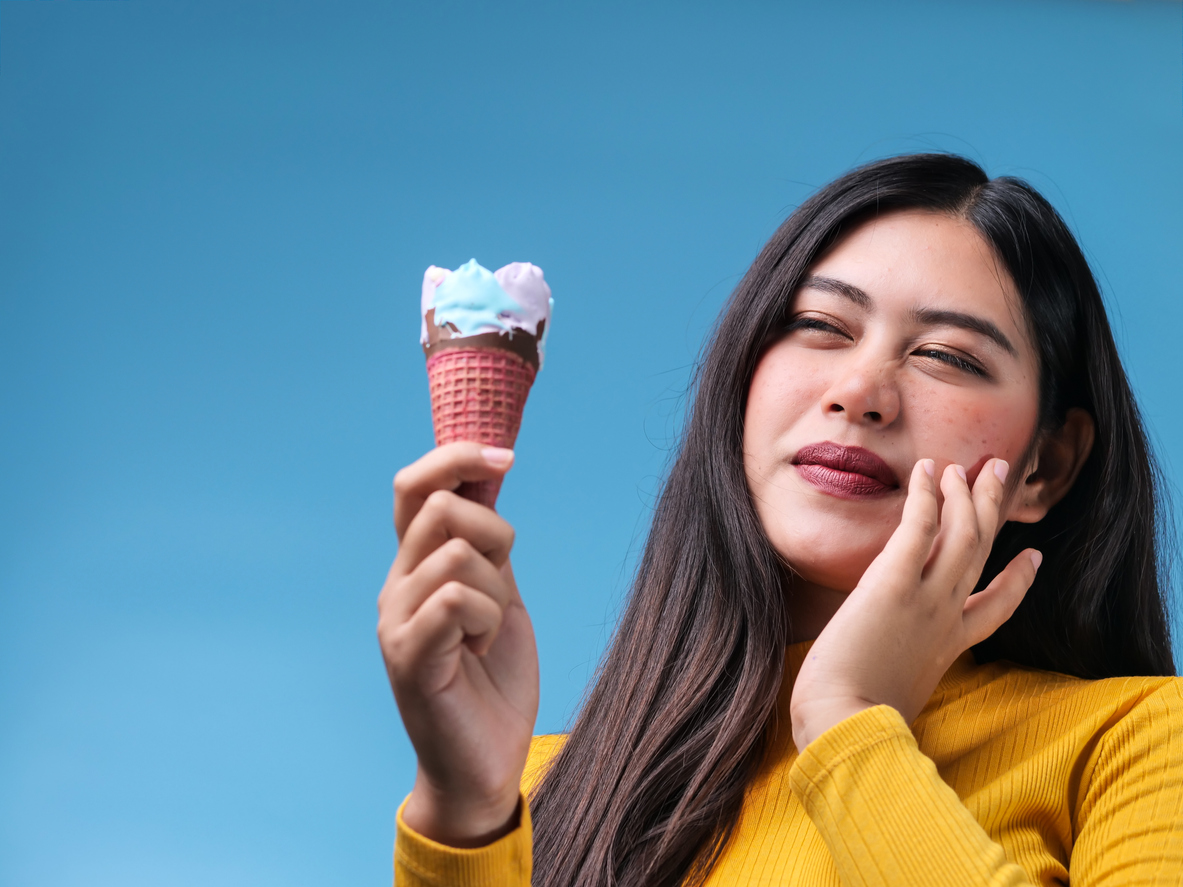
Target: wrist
811,721
461,821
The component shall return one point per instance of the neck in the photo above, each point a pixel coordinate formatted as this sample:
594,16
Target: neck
810,608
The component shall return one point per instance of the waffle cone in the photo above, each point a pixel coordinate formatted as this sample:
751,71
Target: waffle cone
478,394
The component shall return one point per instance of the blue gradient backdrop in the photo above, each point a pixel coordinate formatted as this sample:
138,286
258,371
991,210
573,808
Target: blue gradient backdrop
214,219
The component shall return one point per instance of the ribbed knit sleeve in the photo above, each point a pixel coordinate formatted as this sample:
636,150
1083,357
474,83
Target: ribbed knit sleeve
885,814
1130,817
421,862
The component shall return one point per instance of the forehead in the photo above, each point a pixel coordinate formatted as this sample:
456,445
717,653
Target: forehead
917,259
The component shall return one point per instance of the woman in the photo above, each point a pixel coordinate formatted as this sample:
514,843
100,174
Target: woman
912,395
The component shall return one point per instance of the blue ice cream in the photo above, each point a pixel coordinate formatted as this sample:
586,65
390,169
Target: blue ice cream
473,301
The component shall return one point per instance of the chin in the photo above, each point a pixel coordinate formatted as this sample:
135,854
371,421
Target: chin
830,542
819,564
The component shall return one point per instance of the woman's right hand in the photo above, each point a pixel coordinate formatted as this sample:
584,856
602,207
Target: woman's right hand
459,649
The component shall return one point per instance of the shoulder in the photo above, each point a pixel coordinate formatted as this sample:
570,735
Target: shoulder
1118,720
1139,753
1117,696
1149,710
1062,714
542,751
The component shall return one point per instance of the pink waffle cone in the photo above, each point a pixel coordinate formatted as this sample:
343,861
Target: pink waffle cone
478,394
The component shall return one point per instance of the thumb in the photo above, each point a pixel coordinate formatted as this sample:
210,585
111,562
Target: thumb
985,611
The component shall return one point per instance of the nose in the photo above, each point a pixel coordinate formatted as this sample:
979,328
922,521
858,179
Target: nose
866,392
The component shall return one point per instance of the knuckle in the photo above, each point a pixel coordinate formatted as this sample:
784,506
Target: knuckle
438,504
508,533
456,552
386,638
393,643
403,481
967,537
450,598
928,524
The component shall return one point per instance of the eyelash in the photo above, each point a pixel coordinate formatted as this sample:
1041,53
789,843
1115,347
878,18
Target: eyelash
948,357
953,360
813,323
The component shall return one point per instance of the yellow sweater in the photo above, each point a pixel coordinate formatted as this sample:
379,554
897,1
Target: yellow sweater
1009,776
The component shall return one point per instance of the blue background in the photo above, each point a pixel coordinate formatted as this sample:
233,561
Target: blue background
214,219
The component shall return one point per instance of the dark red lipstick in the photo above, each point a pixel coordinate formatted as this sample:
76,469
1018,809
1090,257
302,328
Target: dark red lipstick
845,472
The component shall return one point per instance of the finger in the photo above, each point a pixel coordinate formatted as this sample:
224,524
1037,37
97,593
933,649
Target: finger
910,544
454,615
444,468
988,492
995,603
507,572
454,561
445,516
968,524
959,538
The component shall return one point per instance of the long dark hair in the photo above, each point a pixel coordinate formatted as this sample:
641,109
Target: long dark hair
648,787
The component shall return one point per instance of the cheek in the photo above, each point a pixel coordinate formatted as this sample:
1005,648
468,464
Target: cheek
972,429
784,387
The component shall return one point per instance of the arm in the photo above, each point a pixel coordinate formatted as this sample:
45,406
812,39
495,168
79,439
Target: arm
886,815
888,818
1130,818
459,652
420,862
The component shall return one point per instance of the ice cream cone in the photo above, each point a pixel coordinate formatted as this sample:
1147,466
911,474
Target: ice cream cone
484,335
478,394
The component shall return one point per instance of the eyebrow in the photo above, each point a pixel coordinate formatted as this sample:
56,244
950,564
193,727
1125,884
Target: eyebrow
839,288
926,316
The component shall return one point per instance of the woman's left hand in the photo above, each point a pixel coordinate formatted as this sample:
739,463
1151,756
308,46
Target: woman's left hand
912,613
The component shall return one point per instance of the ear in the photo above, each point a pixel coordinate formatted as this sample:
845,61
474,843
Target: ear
1054,469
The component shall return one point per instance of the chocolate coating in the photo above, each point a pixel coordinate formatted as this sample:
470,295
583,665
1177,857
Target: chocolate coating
520,342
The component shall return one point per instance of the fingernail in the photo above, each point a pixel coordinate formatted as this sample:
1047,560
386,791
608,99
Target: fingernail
1001,469
930,467
960,472
1036,558
498,457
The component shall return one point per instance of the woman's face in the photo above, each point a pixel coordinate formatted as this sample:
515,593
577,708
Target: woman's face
906,341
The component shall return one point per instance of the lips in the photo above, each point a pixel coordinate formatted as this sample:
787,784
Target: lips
845,472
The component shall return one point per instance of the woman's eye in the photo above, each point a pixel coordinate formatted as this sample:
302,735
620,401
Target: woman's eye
814,323
953,360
